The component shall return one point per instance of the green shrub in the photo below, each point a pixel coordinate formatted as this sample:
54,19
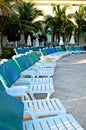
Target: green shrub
7,53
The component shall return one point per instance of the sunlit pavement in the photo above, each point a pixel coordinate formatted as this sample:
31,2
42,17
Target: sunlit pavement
70,85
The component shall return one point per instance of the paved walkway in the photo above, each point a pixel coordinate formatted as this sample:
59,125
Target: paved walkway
70,85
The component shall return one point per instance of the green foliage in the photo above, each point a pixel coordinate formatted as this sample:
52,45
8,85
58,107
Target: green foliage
60,20
7,53
28,14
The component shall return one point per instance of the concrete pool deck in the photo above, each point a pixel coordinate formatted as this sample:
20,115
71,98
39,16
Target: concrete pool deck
70,85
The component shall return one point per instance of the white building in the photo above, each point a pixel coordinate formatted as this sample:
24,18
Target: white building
46,5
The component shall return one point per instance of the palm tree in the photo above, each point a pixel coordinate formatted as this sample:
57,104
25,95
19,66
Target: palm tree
17,15
4,12
28,14
4,9
5,18
80,18
60,21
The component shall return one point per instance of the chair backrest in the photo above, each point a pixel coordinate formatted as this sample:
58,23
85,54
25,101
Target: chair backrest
48,50
72,48
27,49
82,48
35,56
18,68
35,48
60,49
53,50
68,48
22,62
30,59
43,52
77,48
8,73
11,112
19,50
2,88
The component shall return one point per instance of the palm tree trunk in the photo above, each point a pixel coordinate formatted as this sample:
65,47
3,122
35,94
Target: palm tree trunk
52,35
22,39
78,36
0,42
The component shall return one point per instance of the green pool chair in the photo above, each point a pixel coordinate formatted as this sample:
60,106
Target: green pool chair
40,62
14,120
11,78
54,55
38,71
11,112
30,80
19,50
36,108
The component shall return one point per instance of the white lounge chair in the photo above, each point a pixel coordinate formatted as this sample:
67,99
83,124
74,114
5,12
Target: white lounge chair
61,122
37,108
21,61
38,61
11,78
43,107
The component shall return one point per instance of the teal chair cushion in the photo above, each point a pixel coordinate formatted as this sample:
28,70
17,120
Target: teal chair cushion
35,56
30,59
27,49
19,50
11,112
16,65
22,62
53,50
60,49
48,51
44,52
2,88
8,73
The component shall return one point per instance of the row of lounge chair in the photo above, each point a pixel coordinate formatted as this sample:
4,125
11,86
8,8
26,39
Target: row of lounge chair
27,49
58,52
25,76
45,51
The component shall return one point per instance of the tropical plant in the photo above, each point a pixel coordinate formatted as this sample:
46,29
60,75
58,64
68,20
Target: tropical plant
60,22
28,14
17,15
6,13
80,19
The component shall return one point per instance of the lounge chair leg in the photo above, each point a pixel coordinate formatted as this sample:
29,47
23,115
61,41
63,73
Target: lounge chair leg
48,96
32,96
25,97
